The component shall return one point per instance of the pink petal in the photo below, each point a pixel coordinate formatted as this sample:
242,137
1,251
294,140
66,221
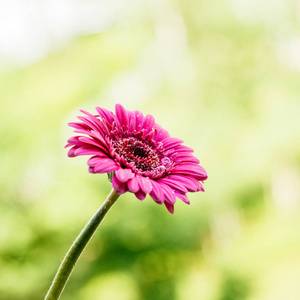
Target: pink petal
148,123
191,169
184,149
132,123
96,159
191,184
88,150
124,175
198,185
87,143
160,133
133,185
140,195
183,197
145,184
98,136
169,194
93,124
105,114
68,145
149,136
120,187
202,189
105,165
156,192
139,119
170,207
121,115
78,125
71,152
74,140
93,120
187,157
171,142
92,142
91,170
173,184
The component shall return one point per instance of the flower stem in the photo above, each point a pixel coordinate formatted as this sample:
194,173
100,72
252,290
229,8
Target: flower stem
77,247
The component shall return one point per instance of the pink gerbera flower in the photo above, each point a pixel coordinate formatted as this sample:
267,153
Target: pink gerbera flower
138,155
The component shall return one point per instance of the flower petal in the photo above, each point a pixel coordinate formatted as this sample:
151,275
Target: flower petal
191,184
104,165
78,125
124,175
132,123
171,142
183,197
122,115
156,192
170,207
191,169
95,121
187,157
148,123
139,117
120,187
202,189
160,133
89,141
96,159
144,184
140,195
184,149
92,123
133,185
169,194
176,185
86,150
105,114
71,152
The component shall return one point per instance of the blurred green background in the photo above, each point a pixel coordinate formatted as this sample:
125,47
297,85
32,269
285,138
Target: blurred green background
222,75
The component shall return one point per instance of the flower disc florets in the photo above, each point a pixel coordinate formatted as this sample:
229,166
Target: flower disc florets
142,155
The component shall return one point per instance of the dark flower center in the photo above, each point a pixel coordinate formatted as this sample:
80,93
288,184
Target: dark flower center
143,157
140,152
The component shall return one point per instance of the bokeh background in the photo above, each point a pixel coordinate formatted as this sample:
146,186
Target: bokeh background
222,75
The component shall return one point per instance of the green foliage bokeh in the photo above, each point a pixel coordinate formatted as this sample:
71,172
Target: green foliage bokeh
209,76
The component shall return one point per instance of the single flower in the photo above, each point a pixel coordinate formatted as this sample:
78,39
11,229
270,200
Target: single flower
138,154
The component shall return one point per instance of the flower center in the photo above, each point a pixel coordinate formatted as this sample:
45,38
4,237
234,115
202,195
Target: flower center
143,157
140,152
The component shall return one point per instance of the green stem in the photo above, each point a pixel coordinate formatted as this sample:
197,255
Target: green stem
77,247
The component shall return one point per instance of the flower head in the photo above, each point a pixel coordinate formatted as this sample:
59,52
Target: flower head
139,154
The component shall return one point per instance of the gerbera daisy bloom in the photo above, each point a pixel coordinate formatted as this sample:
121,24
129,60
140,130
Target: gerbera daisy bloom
138,155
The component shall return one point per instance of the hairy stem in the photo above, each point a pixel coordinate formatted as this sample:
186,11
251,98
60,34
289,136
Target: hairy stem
77,247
